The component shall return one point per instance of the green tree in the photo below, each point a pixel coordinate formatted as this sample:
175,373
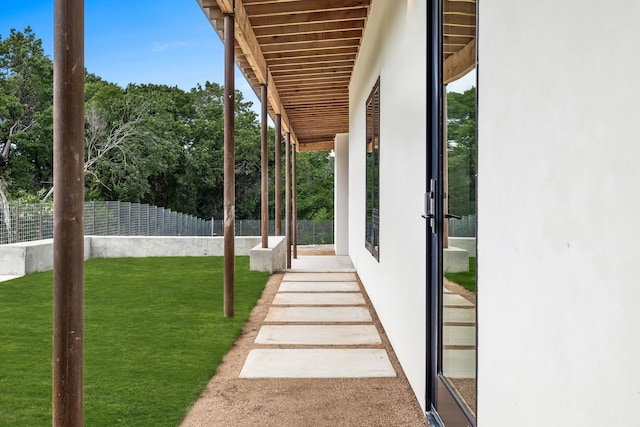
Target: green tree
314,185
203,182
462,151
134,139
26,104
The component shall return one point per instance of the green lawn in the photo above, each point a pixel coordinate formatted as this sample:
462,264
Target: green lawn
466,279
154,336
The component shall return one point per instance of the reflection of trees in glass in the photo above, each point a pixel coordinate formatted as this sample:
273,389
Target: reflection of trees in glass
373,170
462,151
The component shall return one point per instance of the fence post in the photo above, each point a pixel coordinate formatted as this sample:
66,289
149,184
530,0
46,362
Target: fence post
40,221
17,222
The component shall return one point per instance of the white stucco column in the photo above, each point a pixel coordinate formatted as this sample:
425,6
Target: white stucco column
341,194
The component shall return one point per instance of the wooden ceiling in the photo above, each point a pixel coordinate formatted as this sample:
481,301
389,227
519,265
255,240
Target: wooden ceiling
305,51
459,28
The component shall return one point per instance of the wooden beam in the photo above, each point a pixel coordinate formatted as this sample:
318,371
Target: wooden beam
303,72
316,146
305,6
334,45
229,196
310,37
278,177
316,59
461,63
68,215
311,54
264,168
247,41
287,195
460,8
308,27
460,20
309,17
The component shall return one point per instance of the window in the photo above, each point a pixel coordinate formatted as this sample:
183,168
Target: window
372,220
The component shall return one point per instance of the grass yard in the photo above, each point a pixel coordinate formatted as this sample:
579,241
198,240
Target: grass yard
466,279
154,336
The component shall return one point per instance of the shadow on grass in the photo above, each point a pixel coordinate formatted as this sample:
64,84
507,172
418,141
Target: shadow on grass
154,335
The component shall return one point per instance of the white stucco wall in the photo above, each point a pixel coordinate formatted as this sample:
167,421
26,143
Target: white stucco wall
392,48
558,302
341,194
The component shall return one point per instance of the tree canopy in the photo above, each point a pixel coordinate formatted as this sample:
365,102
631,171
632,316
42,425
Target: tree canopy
144,143
462,151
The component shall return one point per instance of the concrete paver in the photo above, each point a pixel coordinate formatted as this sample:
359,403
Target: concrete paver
320,300
317,363
455,299
344,298
320,276
460,315
319,287
318,335
459,363
318,314
459,335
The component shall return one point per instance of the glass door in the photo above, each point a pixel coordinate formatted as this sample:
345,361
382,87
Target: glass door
450,207
458,304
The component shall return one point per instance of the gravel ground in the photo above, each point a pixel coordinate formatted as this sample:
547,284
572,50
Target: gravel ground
232,401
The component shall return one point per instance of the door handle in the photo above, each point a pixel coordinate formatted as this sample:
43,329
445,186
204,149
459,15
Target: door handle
450,216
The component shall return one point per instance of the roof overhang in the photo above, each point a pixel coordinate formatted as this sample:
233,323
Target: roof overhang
305,51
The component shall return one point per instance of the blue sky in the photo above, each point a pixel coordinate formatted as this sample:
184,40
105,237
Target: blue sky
136,41
140,41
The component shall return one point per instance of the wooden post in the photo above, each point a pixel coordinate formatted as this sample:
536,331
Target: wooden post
229,167
68,208
278,186
445,168
264,157
287,194
294,203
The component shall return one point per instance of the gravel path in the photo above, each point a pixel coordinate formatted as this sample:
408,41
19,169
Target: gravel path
232,401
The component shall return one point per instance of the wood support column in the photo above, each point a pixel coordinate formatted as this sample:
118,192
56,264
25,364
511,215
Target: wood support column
264,157
287,194
68,214
278,178
294,202
229,168
445,168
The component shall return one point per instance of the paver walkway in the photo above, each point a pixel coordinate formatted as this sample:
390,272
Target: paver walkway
318,327
313,353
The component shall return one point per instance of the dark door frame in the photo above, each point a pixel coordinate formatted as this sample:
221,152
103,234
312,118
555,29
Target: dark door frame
443,406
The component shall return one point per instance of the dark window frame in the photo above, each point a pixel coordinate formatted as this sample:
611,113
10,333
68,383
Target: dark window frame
372,199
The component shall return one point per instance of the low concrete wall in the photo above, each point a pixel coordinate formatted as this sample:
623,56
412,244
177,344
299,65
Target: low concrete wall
155,246
19,259
456,260
273,258
466,243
